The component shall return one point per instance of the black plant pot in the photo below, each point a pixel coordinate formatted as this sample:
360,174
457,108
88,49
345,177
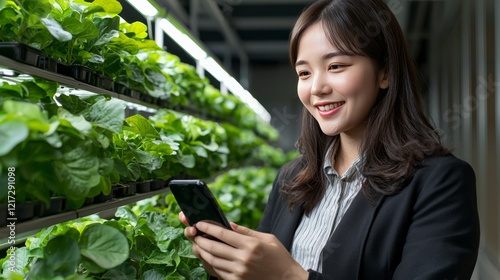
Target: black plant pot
103,197
147,98
57,205
119,88
25,211
128,189
157,184
88,201
84,74
143,187
28,55
105,82
3,215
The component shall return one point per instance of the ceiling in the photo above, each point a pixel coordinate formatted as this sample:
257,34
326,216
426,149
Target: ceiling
246,32
261,28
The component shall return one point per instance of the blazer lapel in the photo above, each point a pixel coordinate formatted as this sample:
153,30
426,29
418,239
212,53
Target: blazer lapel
343,252
287,223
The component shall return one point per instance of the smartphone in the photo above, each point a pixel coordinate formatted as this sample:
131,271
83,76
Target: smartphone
198,203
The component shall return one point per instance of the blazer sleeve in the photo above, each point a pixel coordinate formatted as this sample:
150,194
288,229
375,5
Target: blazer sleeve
267,219
443,238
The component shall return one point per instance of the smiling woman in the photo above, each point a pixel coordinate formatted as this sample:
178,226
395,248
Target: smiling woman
374,194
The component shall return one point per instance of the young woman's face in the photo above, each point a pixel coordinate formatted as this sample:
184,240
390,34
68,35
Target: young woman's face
339,90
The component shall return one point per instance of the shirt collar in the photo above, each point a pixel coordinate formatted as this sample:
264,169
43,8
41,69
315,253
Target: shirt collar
330,172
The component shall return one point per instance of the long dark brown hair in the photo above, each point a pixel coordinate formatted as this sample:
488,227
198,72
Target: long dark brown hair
398,134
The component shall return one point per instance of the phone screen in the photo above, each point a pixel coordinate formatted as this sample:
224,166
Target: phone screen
197,202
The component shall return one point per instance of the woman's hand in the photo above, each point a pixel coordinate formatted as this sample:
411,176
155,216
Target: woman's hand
246,254
190,233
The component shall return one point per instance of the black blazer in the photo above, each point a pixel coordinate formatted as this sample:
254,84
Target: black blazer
430,230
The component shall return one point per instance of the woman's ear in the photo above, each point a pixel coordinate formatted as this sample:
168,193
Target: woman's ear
383,79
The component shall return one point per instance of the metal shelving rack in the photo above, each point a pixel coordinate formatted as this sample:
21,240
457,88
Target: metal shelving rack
27,228
104,209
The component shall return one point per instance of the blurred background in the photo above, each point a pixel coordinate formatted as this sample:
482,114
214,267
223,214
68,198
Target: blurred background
456,44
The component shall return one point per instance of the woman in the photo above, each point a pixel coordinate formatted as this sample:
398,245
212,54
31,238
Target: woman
374,194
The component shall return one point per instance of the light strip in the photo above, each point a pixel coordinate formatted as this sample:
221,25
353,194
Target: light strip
182,40
214,68
144,7
238,90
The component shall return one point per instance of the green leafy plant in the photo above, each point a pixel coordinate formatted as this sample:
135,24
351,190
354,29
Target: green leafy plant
21,21
58,150
74,250
243,193
139,150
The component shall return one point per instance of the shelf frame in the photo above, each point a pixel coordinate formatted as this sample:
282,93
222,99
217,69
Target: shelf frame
68,81
36,224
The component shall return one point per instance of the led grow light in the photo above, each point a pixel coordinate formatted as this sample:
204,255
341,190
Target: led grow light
144,7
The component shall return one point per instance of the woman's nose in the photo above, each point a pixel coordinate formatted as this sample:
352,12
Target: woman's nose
320,85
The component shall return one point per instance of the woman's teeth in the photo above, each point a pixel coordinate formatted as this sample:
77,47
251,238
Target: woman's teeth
330,106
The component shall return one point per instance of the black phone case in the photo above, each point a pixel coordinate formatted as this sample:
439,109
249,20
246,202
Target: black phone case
197,202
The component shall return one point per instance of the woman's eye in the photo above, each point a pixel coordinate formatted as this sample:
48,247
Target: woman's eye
303,73
335,67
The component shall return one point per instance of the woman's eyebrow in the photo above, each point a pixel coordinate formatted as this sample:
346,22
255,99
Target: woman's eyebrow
324,57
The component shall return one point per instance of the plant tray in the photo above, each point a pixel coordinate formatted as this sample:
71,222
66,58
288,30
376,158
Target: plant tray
147,98
132,93
25,211
119,88
28,55
3,215
57,205
157,184
143,187
105,82
128,190
102,197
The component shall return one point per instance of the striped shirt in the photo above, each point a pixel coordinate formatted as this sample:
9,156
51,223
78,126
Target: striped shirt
314,231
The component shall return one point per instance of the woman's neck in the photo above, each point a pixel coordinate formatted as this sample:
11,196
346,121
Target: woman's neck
347,153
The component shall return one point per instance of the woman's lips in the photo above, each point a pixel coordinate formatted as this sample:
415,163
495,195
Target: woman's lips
329,109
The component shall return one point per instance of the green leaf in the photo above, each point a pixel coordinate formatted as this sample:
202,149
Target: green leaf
2,3
62,254
49,87
89,30
78,122
32,91
143,126
125,271
56,29
134,170
104,185
186,157
24,110
108,114
72,103
197,273
200,151
8,90
114,274
126,213
153,274
19,263
213,146
104,245
78,170
142,157
112,64
110,7
12,133
40,8
139,29
91,266
72,25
